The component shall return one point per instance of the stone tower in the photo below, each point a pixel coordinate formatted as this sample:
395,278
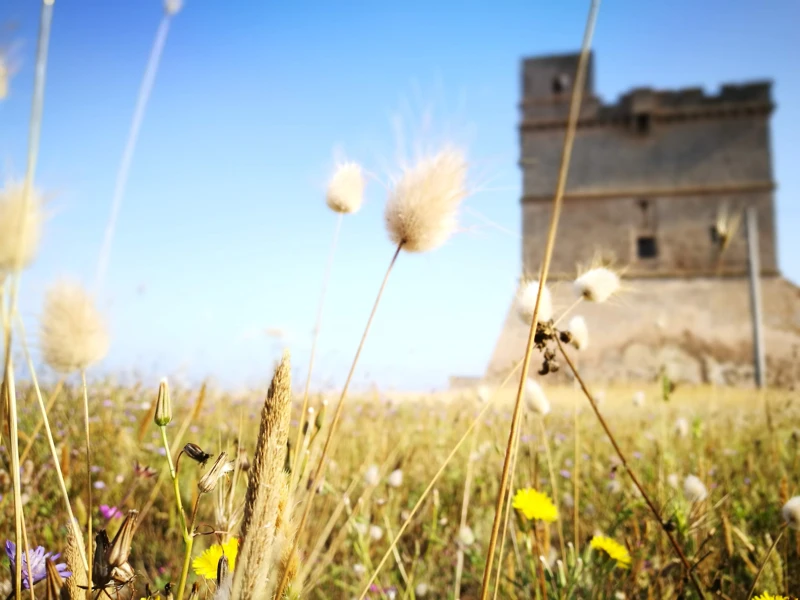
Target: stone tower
657,181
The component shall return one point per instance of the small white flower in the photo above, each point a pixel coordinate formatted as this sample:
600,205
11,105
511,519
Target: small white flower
791,513
579,332
465,536
614,487
597,285
638,398
421,590
395,478
372,476
375,532
694,489
526,298
673,480
359,569
681,427
535,398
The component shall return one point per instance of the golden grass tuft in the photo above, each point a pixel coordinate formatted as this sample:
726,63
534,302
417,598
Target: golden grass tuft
266,486
421,212
73,334
20,226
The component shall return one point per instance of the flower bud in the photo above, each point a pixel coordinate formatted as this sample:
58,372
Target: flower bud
163,414
196,453
222,569
121,546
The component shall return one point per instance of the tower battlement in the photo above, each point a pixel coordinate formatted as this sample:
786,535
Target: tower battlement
651,174
658,184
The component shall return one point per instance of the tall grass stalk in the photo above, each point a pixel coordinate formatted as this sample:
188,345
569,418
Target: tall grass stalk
130,146
317,327
435,478
554,485
569,138
764,562
653,509
509,497
34,134
576,478
464,511
89,540
51,443
336,416
51,401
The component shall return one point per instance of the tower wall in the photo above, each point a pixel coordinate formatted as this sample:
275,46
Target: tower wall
655,179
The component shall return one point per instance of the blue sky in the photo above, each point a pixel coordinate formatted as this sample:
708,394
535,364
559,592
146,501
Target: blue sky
223,232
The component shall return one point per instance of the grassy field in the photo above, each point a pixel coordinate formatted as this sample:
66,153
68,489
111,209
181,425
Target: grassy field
742,445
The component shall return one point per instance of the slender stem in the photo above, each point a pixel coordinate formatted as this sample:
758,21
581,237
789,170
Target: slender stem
337,415
50,403
317,327
176,485
554,485
764,562
464,511
433,481
187,557
88,474
509,497
569,138
12,418
569,309
27,553
576,479
49,434
632,475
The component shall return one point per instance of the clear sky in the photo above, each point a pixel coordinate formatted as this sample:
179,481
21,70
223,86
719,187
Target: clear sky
224,233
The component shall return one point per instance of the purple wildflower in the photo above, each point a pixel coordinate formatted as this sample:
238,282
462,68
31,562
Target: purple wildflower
38,564
109,512
565,474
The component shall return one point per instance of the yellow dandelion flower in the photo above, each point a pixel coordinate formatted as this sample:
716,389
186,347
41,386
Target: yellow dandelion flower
535,505
768,596
613,548
206,564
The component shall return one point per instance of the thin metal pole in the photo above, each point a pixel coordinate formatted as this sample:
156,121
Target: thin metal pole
754,264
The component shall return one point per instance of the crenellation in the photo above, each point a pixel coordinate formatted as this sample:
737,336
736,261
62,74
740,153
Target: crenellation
657,179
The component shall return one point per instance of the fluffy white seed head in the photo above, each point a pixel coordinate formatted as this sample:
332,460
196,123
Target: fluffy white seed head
597,285
73,334
372,476
681,427
375,532
526,300
466,537
395,478
421,590
20,226
535,398
638,398
172,7
421,212
579,331
694,489
673,480
791,513
346,188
